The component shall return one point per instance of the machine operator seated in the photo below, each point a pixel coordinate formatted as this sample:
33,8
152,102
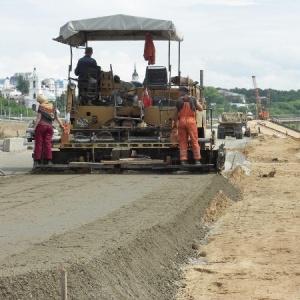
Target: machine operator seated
88,73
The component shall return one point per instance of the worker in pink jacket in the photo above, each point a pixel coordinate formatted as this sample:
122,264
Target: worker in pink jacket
185,120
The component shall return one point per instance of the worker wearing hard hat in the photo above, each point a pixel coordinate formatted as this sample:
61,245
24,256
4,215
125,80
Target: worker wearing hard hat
185,120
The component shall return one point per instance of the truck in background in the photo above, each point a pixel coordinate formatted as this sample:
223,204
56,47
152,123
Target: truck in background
233,124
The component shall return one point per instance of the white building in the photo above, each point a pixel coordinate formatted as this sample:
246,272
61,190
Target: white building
135,75
135,78
49,87
7,89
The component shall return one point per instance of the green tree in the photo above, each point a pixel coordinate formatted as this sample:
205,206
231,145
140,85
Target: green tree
61,103
212,95
23,85
12,108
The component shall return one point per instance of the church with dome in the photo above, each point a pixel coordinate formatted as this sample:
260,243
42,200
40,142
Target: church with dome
135,78
49,87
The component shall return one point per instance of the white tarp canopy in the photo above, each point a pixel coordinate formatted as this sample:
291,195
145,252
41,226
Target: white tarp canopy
116,28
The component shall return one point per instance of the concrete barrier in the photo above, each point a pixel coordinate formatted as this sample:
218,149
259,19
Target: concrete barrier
13,144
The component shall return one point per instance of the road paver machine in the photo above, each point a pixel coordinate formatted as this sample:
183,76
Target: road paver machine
113,124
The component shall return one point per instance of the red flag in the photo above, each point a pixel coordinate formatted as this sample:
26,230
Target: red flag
146,99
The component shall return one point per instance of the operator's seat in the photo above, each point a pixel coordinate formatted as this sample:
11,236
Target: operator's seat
156,82
89,85
156,78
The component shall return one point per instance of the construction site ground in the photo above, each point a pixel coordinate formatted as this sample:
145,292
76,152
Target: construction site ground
252,250
177,236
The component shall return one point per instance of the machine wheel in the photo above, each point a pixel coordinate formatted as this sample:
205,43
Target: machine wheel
220,164
247,132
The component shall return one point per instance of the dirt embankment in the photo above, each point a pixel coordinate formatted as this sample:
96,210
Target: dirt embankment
13,129
253,250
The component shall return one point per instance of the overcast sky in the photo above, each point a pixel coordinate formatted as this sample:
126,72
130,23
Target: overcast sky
230,40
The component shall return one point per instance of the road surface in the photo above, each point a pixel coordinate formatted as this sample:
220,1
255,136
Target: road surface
120,236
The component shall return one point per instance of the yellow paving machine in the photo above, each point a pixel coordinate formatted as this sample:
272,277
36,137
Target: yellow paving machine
112,124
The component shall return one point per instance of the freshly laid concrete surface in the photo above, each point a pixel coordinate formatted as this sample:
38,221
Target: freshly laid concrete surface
278,128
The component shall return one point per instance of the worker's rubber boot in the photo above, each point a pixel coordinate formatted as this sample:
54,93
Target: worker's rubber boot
197,162
48,162
184,162
37,162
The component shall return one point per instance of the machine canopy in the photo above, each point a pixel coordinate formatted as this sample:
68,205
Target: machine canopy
116,28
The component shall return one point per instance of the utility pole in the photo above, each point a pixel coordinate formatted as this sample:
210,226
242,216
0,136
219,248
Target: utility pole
268,101
258,100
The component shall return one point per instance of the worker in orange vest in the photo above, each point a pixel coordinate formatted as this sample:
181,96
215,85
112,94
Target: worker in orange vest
185,120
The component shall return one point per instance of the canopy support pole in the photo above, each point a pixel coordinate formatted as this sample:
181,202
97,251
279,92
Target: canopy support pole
179,72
